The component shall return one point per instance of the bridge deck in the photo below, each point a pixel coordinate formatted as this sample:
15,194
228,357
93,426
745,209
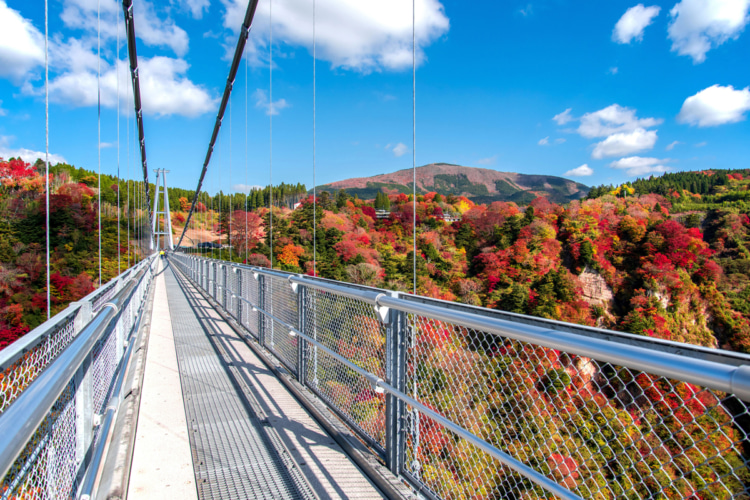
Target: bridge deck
216,423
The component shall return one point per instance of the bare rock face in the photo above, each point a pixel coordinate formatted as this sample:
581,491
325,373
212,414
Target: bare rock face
596,291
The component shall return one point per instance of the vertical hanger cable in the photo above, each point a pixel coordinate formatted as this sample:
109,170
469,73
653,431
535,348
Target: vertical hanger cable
99,125
46,145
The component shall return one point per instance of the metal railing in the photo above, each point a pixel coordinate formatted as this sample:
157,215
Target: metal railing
465,402
60,388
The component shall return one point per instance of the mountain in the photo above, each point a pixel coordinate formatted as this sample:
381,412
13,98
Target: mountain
481,185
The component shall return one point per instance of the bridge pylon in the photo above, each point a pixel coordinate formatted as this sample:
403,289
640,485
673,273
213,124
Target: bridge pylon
166,230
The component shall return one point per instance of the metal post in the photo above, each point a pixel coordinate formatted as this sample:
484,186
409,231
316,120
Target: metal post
239,297
262,304
225,288
395,363
84,391
301,342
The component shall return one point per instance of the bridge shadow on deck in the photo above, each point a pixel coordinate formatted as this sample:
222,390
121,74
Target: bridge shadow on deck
300,457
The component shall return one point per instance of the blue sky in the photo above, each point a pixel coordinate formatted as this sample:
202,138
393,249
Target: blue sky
653,87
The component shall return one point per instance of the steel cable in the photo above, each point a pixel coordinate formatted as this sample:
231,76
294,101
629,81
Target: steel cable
99,126
46,145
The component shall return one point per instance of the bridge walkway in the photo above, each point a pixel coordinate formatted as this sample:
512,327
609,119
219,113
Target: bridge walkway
215,422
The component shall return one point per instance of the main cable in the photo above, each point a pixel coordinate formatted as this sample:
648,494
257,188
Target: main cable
244,34
46,146
127,7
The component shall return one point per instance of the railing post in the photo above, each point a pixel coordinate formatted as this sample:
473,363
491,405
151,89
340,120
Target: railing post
302,326
240,304
395,363
262,304
84,400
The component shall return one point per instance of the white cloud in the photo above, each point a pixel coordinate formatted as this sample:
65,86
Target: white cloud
624,143
150,28
564,117
196,7
106,145
21,45
697,26
272,108
164,88
715,105
400,149
637,165
526,11
701,144
245,188
559,140
612,120
487,161
351,34
631,25
544,141
28,155
3,112
582,171
671,145
613,70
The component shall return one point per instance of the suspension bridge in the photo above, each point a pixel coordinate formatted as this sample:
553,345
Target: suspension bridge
194,377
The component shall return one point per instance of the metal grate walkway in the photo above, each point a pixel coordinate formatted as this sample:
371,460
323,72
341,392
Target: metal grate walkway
236,452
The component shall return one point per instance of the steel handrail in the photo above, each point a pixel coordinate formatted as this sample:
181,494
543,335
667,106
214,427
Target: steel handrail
718,376
20,421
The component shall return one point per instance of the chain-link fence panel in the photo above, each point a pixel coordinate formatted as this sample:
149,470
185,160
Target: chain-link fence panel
16,378
47,468
54,459
351,329
599,430
281,302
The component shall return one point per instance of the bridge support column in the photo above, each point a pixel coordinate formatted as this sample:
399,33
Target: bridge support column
395,409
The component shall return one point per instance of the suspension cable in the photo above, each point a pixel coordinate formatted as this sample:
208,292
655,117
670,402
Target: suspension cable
127,184
229,213
117,73
244,34
414,137
315,192
46,150
246,158
270,128
99,126
127,7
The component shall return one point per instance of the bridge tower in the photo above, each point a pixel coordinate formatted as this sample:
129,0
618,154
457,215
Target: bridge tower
166,231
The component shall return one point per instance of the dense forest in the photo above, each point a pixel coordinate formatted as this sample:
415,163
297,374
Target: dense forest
664,257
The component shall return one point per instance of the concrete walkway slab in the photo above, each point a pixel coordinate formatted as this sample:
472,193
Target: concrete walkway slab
162,465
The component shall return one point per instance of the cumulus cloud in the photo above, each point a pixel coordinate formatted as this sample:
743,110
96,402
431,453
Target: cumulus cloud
165,90
151,29
697,26
582,171
564,117
544,141
612,120
272,108
400,149
637,165
671,145
21,45
28,155
196,7
3,112
631,25
625,143
715,105
351,34
559,140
